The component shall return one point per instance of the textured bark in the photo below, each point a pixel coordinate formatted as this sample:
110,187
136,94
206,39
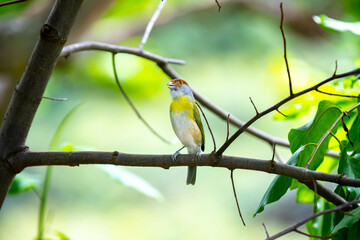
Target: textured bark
29,91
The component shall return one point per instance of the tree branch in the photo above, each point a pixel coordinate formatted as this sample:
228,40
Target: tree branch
128,100
284,41
279,104
28,159
30,89
295,226
151,23
90,46
11,2
163,63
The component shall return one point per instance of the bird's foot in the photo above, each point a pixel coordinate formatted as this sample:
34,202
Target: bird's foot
198,155
173,157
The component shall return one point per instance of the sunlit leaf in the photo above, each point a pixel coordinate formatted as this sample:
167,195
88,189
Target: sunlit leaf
336,25
348,220
23,182
312,132
279,185
304,194
125,177
61,236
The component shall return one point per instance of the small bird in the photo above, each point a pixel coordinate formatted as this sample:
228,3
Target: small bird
186,122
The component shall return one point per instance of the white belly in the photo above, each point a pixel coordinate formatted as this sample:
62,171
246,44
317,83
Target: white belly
187,131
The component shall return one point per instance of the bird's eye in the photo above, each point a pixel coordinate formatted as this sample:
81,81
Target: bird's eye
181,83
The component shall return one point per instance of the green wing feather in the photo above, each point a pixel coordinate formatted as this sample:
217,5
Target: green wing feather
199,123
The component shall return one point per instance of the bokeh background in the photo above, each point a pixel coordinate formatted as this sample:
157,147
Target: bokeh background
230,56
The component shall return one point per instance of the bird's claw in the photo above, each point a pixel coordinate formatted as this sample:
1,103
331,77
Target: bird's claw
173,157
198,155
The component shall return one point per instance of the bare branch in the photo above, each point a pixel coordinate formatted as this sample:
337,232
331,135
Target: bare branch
313,236
90,46
163,64
254,106
266,231
12,2
336,67
325,192
336,94
30,89
236,199
208,125
55,99
285,56
277,105
227,127
297,225
274,152
151,23
219,6
281,113
133,106
27,159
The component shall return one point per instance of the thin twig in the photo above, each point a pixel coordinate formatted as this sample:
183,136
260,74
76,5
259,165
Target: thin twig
313,236
151,23
266,231
132,105
163,63
285,56
281,113
336,94
305,220
277,105
106,47
273,156
12,2
236,199
254,106
336,67
55,99
227,127
207,123
217,2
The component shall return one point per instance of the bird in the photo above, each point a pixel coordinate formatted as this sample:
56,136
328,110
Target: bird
186,123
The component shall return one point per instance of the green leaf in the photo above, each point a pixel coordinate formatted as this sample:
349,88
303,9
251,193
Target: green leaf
125,177
354,132
61,236
321,226
22,183
348,220
304,194
279,185
336,25
60,129
349,165
312,132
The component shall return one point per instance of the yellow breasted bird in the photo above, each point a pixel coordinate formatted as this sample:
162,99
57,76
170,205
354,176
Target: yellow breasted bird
186,122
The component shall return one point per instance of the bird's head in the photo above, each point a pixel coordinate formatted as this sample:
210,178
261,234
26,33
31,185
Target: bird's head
178,88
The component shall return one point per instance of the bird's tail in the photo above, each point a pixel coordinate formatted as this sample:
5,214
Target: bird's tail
191,175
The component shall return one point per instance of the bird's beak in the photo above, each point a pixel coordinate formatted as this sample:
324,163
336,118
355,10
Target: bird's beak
171,86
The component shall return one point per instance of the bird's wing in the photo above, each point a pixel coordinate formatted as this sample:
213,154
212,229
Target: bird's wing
199,124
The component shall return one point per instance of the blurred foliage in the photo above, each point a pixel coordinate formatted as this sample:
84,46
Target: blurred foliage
237,53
